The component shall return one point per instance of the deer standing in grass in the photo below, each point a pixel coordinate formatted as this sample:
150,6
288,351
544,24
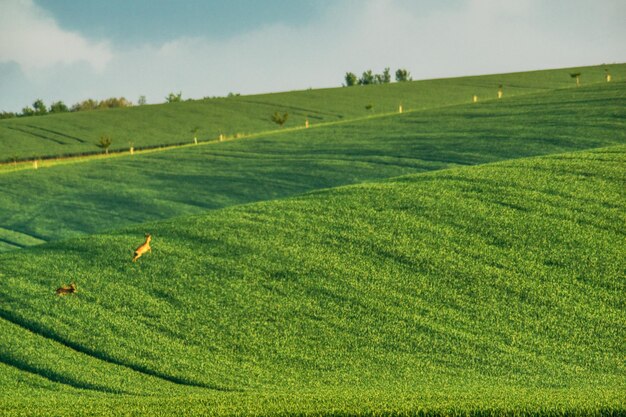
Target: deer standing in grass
66,289
145,247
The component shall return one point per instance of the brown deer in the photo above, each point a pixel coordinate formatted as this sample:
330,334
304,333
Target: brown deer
143,248
66,289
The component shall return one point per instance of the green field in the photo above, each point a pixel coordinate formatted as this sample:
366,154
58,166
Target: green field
497,287
98,195
154,125
461,259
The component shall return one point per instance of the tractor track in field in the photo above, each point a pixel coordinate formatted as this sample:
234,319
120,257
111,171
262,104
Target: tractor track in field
41,331
63,135
54,376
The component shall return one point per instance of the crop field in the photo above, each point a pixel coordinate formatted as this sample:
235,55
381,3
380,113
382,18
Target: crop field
498,287
154,125
460,259
98,195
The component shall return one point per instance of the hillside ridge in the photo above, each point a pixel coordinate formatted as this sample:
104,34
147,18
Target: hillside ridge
175,123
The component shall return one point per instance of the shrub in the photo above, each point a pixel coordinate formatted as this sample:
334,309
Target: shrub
89,104
280,119
104,143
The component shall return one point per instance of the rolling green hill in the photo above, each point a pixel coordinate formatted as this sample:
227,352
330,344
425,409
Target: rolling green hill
457,259
97,195
487,289
146,126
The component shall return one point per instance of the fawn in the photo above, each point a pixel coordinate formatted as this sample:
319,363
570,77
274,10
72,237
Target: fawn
143,248
66,289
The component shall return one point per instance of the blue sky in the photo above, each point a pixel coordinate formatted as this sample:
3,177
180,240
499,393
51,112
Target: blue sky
162,20
71,50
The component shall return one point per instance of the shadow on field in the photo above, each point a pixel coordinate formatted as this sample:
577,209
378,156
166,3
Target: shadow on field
46,333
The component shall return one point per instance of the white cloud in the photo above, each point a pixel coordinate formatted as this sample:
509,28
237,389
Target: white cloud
470,37
35,42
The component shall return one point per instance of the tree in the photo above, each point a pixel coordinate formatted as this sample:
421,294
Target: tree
142,100
104,143
383,78
351,79
403,75
27,111
386,78
89,104
367,78
58,107
577,76
174,98
280,120
7,115
113,102
39,107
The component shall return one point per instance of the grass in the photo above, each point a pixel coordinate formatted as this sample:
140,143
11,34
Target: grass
480,290
455,260
167,124
96,195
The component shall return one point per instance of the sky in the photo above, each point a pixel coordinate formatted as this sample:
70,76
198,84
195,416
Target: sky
72,50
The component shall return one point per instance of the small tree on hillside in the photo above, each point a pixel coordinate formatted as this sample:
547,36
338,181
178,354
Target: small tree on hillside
367,78
113,102
141,100
403,75
27,111
386,78
351,79
89,104
40,107
174,98
280,119
104,143
58,107
577,76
